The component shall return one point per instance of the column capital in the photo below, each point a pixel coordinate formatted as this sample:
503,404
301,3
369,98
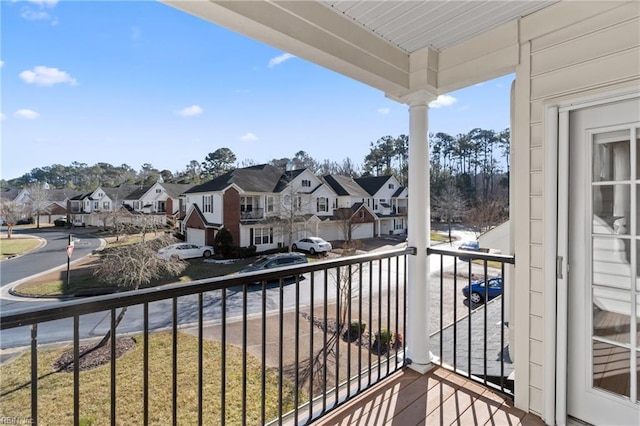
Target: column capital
420,97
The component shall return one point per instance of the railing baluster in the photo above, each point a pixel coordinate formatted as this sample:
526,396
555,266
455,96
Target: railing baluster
200,350
324,342
296,355
389,330
76,370
280,348
113,366
502,351
263,378
380,343
34,373
397,325
486,300
455,315
311,350
360,297
223,359
442,306
145,364
370,320
348,331
469,322
244,354
174,360
339,294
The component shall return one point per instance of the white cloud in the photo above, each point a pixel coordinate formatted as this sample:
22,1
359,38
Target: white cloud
190,111
2,116
44,3
443,101
384,111
45,76
34,15
280,59
27,114
248,137
1,64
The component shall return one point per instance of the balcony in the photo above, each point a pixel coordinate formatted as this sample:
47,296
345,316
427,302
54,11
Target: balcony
262,348
256,213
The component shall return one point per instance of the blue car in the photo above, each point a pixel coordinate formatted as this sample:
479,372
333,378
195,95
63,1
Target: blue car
468,246
478,290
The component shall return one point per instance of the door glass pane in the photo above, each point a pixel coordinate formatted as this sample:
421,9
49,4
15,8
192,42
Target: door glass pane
611,262
611,314
611,368
611,209
611,160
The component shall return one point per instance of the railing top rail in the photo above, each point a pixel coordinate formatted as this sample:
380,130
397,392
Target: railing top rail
24,317
473,255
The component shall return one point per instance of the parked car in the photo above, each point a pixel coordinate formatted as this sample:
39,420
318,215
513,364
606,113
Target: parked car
185,251
468,246
478,290
278,260
60,222
312,244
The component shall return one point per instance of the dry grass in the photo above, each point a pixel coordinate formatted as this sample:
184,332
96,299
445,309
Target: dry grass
55,390
15,246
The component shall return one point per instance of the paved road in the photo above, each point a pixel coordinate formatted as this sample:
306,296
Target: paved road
160,313
52,255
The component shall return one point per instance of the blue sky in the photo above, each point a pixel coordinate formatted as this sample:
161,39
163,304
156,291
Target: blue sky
140,82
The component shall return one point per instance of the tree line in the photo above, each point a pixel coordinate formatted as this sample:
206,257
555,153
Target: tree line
472,168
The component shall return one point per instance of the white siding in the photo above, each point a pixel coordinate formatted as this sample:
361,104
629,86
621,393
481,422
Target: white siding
567,52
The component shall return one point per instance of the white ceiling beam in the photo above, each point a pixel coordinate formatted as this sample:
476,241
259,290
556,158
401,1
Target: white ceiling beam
313,32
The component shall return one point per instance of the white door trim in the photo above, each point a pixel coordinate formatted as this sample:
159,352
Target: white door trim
556,231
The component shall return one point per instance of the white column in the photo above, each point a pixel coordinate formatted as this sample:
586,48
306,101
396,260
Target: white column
419,230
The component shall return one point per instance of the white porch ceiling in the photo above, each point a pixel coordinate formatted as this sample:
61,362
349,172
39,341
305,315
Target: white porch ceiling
412,25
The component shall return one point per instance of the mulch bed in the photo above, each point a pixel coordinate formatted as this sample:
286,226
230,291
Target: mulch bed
92,357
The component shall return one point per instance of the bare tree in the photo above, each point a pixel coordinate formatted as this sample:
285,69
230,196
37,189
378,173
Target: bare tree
38,201
11,212
131,266
347,222
485,216
449,206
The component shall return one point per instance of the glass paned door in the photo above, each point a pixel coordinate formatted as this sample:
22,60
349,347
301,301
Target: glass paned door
614,260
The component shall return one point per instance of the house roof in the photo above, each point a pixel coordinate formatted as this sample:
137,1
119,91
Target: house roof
372,184
174,190
345,185
260,178
398,192
9,194
138,193
61,194
204,220
121,192
286,179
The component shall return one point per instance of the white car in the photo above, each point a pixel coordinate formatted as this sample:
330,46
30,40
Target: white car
185,251
312,244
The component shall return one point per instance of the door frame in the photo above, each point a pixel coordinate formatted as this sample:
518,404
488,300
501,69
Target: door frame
556,216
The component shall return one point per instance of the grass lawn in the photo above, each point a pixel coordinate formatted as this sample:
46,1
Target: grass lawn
55,389
82,278
15,246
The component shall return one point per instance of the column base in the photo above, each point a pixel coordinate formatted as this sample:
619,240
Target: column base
422,368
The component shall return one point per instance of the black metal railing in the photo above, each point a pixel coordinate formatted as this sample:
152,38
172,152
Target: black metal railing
290,344
471,337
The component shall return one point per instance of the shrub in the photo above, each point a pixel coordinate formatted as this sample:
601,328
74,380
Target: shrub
357,327
243,252
223,242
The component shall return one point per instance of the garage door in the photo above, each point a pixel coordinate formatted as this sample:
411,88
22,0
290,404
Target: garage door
363,230
195,236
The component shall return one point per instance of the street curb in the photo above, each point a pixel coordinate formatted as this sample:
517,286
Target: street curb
41,243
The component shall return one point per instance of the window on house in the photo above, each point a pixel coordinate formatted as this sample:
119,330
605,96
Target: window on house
322,204
105,205
334,203
246,204
306,183
158,190
269,204
207,203
96,205
391,186
398,224
262,236
363,214
297,203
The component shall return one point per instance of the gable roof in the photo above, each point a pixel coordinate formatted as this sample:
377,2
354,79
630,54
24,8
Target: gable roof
61,194
174,190
260,178
10,194
286,179
372,184
345,185
398,192
121,192
138,193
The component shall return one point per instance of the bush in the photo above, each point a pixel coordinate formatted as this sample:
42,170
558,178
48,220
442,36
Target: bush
243,252
357,327
223,242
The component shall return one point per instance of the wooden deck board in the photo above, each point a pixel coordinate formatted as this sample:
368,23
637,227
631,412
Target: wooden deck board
439,397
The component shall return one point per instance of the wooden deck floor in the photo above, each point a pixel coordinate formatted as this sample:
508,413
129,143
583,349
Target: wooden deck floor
437,398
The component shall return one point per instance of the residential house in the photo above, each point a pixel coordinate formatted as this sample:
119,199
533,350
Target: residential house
159,198
100,200
389,203
575,101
